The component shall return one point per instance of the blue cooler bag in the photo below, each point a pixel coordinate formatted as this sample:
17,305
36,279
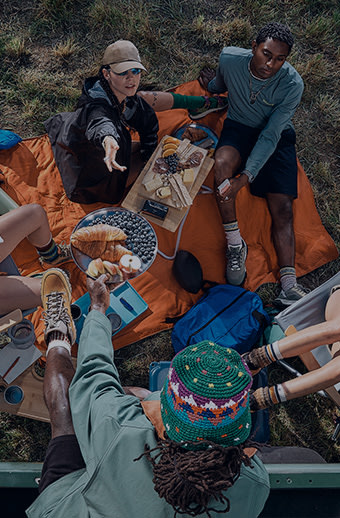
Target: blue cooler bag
228,315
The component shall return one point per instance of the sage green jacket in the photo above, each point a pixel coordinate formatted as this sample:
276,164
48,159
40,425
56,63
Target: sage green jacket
112,430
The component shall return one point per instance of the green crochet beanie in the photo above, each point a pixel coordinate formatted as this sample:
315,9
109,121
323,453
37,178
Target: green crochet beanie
206,396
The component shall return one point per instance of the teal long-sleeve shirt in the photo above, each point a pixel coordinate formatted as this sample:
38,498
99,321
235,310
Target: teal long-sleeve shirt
273,109
112,430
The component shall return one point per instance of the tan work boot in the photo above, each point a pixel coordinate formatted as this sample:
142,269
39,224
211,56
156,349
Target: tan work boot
56,294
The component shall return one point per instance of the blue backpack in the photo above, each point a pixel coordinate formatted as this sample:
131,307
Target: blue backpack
8,139
228,315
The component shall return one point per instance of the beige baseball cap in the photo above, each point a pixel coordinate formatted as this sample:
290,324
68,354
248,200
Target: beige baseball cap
122,55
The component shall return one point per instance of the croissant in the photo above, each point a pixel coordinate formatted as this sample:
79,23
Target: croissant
114,252
93,241
101,232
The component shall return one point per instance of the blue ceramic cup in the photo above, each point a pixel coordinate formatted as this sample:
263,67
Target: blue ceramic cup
13,395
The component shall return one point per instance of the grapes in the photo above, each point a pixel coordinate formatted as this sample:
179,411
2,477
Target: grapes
172,161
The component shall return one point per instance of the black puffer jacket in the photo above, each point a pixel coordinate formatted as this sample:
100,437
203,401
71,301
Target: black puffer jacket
76,139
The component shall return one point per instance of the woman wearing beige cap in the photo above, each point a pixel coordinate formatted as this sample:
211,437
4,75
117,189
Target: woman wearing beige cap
92,145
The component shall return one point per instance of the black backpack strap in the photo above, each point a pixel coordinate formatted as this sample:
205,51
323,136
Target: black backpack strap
260,318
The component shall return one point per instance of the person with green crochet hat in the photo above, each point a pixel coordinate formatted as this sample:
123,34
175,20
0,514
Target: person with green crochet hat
205,397
184,451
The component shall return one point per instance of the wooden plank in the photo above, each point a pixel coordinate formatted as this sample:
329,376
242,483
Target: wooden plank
33,404
9,320
312,364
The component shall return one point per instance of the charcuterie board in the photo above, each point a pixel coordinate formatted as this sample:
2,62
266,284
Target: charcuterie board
138,196
173,170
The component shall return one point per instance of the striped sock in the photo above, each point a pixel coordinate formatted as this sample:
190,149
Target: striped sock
265,397
263,356
232,233
50,254
287,277
273,352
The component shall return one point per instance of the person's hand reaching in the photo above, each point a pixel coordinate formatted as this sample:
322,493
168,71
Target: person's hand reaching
111,147
99,293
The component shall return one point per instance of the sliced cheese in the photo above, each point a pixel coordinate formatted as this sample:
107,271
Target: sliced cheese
188,176
154,184
163,192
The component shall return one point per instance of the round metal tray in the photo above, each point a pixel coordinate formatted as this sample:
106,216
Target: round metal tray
141,237
210,133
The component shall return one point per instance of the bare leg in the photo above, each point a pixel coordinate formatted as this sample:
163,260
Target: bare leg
159,101
27,221
227,161
281,210
302,342
311,382
307,339
58,376
19,292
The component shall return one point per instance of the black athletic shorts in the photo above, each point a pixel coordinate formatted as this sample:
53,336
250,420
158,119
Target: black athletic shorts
279,173
63,456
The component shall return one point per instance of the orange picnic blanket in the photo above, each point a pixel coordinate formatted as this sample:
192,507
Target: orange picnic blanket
31,176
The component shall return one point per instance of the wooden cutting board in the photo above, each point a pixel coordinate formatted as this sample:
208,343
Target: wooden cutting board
138,195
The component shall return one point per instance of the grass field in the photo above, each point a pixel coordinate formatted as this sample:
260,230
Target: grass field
48,47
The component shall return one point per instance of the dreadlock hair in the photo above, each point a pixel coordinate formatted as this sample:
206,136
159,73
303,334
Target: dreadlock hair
276,31
187,479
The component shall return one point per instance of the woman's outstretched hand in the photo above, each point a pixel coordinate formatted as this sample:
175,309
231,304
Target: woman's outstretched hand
111,147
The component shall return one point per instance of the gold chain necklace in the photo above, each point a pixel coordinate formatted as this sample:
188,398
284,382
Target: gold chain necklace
253,95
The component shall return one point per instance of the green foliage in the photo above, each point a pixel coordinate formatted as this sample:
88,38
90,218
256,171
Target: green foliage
16,48
320,31
66,49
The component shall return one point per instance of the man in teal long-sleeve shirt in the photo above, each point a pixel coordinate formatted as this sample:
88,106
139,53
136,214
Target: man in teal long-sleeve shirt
257,145
100,461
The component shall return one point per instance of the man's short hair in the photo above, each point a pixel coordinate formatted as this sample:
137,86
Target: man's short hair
276,31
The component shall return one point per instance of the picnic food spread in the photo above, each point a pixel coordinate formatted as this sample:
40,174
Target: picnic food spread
113,241
173,172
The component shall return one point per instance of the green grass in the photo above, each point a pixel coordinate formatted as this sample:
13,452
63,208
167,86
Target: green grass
47,48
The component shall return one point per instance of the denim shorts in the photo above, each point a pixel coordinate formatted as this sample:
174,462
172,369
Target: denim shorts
279,173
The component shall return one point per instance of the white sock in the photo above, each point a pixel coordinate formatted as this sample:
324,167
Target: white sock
59,343
281,393
287,277
276,350
232,234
